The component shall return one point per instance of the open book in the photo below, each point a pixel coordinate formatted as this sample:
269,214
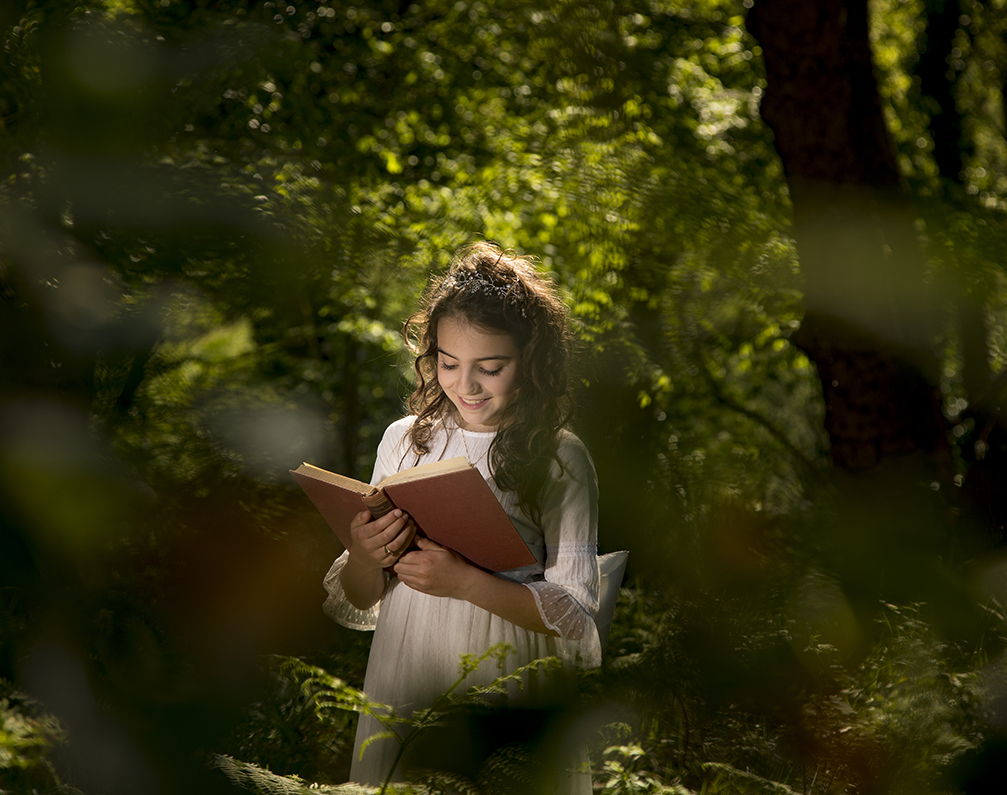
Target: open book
449,501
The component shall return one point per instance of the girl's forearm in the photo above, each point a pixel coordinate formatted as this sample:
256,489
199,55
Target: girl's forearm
505,598
362,585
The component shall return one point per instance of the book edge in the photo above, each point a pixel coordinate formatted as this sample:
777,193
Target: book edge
424,471
331,478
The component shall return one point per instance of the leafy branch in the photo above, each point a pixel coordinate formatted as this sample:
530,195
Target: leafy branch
426,719
326,692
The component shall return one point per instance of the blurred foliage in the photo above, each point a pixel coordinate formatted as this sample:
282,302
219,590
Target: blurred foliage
291,728
27,737
214,217
513,769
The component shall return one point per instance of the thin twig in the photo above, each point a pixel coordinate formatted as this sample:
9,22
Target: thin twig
755,416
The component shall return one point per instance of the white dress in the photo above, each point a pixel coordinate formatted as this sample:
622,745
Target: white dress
414,656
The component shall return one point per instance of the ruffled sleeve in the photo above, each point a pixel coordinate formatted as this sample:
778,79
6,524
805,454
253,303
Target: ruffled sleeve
567,599
336,605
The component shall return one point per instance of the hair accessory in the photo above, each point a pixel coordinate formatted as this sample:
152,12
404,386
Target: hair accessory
473,281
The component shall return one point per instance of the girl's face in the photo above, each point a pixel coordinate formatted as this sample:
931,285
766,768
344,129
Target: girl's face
478,371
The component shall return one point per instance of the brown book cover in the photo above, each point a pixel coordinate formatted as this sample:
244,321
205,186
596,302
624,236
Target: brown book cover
449,501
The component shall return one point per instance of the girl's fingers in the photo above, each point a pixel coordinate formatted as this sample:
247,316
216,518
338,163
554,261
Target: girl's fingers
382,523
376,538
360,519
363,526
394,537
387,532
403,539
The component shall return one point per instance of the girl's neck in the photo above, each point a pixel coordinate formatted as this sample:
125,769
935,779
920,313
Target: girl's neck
453,422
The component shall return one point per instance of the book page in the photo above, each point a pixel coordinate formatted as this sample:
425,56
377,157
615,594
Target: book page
433,469
331,477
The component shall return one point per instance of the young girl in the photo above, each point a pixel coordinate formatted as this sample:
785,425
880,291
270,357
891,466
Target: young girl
492,344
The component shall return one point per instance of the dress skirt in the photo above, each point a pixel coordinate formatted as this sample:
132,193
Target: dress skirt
415,656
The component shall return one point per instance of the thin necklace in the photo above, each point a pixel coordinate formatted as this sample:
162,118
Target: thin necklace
468,455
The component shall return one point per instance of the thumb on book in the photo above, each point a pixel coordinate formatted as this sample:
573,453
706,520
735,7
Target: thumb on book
425,544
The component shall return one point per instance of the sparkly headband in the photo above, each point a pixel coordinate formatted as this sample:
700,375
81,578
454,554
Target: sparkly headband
474,282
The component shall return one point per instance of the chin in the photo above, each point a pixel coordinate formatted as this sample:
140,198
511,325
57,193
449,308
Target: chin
473,419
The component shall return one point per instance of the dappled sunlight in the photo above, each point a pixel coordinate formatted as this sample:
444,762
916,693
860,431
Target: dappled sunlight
213,222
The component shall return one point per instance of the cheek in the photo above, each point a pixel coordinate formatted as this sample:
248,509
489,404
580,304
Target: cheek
509,390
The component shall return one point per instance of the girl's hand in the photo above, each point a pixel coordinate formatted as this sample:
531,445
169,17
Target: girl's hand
377,543
437,571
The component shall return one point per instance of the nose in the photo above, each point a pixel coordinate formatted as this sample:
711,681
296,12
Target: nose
468,384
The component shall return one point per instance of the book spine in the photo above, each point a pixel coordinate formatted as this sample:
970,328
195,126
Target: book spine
377,503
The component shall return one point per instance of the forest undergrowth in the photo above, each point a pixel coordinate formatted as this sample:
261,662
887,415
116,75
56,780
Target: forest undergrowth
782,712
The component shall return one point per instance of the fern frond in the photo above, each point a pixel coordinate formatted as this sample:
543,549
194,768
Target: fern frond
511,763
483,694
325,691
438,781
385,735
260,781
744,781
469,662
256,779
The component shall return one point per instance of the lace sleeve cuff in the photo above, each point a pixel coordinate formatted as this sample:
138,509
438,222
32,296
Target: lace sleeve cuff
338,607
571,621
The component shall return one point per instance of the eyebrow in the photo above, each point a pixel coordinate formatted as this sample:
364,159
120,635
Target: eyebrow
481,359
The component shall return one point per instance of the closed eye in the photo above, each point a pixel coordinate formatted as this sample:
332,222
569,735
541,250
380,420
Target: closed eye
482,370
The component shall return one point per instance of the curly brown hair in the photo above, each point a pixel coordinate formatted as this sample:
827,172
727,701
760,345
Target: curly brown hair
502,292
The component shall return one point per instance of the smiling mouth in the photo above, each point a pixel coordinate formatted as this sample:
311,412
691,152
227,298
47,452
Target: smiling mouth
471,405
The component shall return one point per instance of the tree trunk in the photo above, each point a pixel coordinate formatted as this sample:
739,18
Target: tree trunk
984,449
937,86
870,320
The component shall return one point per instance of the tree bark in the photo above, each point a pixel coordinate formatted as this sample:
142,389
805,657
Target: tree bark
870,319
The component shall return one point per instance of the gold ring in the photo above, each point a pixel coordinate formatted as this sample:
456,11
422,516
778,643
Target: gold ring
386,550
